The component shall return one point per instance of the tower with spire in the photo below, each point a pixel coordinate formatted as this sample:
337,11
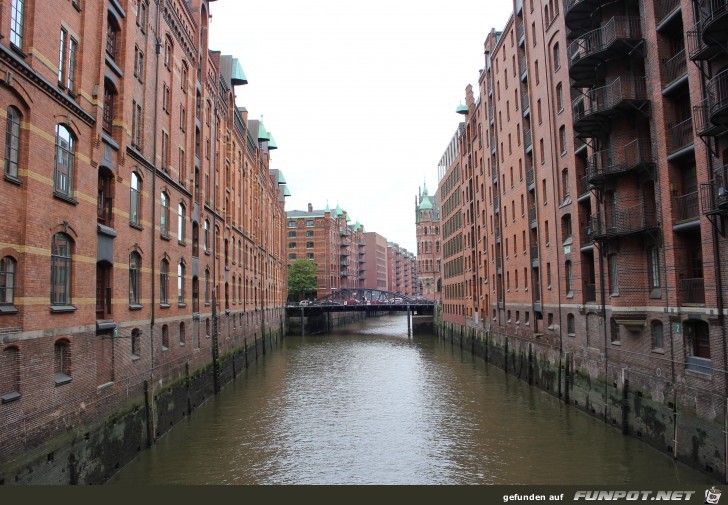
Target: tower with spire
427,221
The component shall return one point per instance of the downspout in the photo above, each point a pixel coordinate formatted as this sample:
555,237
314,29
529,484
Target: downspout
157,50
557,222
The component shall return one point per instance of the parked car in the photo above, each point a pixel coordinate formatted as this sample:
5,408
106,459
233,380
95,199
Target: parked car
352,301
303,303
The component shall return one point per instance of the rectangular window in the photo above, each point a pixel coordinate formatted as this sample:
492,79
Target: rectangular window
136,125
62,57
17,12
165,151
71,69
182,167
309,223
309,234
654,268
613,275
309,256
309,245
182,118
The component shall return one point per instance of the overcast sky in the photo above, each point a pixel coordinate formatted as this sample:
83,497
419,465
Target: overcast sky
360,96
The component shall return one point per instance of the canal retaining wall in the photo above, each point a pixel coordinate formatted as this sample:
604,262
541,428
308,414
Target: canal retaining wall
92,454
646,406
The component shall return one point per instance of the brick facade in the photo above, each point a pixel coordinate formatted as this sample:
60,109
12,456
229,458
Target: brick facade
135,185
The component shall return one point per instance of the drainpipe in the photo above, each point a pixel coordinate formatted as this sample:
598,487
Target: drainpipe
157,51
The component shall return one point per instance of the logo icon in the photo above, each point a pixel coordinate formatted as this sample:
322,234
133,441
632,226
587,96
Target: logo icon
712,496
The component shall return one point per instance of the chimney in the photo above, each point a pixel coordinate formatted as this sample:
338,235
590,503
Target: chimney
310,207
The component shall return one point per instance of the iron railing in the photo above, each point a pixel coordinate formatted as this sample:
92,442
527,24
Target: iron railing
587,236
618,160
609,96
710,10
692,291
625,221
663,8
701,118
674,68
525,103
714,194
529,176
718,91
523,66
687,206
527,142
534,253
520,32
600,39
681,135
582,186
531,214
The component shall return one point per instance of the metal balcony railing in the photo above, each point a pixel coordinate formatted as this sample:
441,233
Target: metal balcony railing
529,176
582,186
701,120
531,214
627,221
527,142
674,68
587,236
664,8
692,291
599,40
534,253
681,135
718,93
714,194
610,96
687,206
712,10
697,48
614,161
523,67
590,292
520,32
525,103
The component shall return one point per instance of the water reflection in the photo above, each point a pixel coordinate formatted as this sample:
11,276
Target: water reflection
367,405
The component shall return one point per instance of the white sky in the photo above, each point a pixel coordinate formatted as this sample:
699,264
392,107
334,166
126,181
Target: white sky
359,95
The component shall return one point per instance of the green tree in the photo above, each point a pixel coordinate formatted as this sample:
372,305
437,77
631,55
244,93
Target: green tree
302,277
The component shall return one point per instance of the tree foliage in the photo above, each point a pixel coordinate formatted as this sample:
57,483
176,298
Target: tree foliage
302,277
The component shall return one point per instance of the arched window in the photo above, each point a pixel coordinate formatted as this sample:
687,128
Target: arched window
7,280
12,142
135,199
104,202
135,265
206,242
195,239
64,165
165,337
113,31
9,374
658,341
109,99
569,277
182,336
181,222
183,78
136,344
181,283
164,282
164,216
61,263
62,361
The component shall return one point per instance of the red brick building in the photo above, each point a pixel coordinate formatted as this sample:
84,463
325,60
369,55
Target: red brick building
135,185
401,269
427,221
583,205
327,238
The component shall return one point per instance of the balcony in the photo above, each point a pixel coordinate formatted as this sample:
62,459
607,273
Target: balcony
682,139
635,220
495,174
587,239
613,162
529,178
590,293
718,98
523,67
498,265
714,194
532,216
701,120
674,73
687,207
534,256
698,50
496,204
520,34
578,14
582,188
714,14
525,104
344,254
665,12
692,291
594,111
527,142
618,36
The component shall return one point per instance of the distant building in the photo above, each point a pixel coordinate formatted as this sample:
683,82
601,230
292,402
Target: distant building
400,269
427,218
375,262
326,238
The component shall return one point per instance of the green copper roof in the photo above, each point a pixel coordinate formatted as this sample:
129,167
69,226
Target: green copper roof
327,209
262,133
285,191
425,203
462,109
238,76
281,179
271,142
338,211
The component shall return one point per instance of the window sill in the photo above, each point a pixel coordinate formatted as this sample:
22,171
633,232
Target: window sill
182,305
207,253
10,397
76,6
8,309
165,349
182,242
65,198
108,139
18,50
135,357
164,305
136,226
13,180
616,342
164,237
58,309
135,306
113,66
61,379
658,350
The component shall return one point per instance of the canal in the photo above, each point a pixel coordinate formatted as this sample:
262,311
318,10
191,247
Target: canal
367,405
